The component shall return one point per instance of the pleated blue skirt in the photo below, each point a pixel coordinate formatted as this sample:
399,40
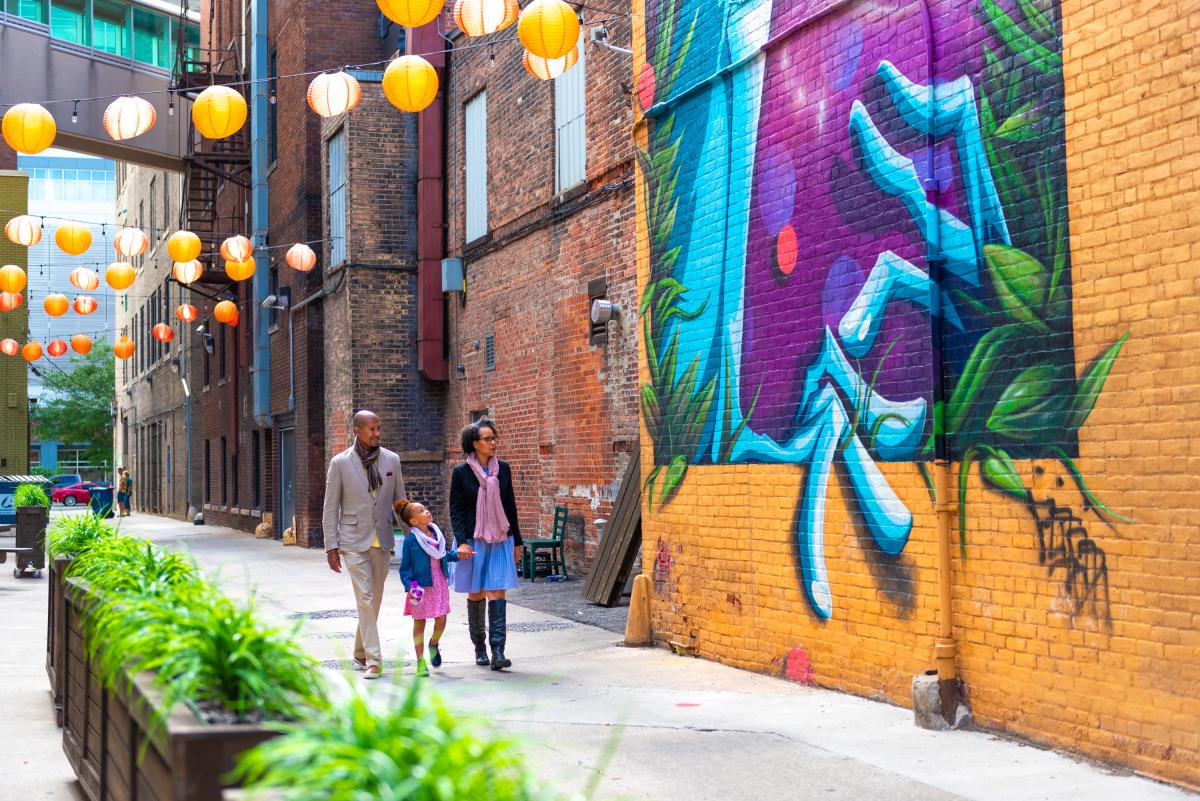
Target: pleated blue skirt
491,568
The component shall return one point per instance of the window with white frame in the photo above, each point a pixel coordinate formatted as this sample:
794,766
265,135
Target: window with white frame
475,125
337,197
570,125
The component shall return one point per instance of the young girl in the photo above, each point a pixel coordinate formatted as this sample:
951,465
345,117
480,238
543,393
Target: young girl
423,561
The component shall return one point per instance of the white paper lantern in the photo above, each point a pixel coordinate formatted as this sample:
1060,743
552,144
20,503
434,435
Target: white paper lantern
127,117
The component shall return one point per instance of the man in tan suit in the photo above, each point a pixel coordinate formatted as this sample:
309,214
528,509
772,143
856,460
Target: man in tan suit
362,484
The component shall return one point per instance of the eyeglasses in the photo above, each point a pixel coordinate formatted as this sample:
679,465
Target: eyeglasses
487,439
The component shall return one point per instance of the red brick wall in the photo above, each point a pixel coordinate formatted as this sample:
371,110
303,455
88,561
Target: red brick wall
566,410
305,36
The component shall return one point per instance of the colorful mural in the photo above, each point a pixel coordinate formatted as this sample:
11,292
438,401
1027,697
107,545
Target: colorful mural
817,206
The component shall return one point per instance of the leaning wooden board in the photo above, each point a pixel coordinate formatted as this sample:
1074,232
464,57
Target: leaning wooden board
620,542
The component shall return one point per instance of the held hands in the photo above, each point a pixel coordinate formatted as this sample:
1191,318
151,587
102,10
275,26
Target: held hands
465,551
334,557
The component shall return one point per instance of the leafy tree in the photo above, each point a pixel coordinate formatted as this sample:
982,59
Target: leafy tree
77,404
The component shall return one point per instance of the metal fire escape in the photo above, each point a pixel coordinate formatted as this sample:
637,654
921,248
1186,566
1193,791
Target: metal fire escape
211,164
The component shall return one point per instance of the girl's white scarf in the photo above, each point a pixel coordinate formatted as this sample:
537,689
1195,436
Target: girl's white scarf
435,546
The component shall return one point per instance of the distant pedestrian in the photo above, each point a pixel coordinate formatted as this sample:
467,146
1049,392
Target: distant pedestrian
128,493
362,484
483,512
424,562
122,497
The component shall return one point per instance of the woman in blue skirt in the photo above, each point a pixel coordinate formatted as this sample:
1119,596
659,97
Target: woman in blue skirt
483,513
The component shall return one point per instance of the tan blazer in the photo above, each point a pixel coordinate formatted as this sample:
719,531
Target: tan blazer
352,519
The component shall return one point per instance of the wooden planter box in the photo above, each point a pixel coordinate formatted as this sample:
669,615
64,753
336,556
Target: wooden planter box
56,633
103,732
31,533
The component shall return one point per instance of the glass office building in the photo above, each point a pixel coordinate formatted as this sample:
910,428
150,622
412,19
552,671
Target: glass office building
144,32
69,186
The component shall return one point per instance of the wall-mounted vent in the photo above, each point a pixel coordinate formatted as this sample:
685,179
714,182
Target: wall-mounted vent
597,332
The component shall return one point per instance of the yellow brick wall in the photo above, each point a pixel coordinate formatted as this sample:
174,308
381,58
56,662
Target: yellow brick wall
14,386
1117,674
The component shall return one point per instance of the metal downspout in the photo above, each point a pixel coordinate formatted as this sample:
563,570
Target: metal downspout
260,368
945,649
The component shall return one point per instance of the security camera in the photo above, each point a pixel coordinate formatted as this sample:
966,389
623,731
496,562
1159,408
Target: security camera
274,302
598,34
199,329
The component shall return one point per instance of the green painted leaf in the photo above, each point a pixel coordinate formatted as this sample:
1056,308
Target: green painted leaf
985,360
1019,281
650,479
673,477
1021,125
1093,501
1041,25
1042,59
1093,383
1000,472
1031,405
650,408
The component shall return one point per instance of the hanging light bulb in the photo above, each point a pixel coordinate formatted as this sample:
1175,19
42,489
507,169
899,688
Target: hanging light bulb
75,112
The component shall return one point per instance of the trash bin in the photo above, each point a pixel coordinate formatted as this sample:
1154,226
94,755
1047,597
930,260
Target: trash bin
101,502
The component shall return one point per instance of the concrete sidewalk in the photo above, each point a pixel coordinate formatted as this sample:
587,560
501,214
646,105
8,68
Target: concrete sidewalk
683,728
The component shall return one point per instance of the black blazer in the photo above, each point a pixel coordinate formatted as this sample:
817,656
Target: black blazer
464,491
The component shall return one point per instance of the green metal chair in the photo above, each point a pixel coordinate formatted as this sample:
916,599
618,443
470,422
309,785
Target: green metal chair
550,552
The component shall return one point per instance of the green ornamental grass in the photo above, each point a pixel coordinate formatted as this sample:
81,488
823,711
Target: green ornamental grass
152,611
72,535
30,495
416,751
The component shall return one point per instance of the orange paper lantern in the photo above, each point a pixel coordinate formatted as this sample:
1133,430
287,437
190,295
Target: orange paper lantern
183,246
301,257
123,348
186,312
410,83
239,270
56,348
127,117
331,94
84,279
187,272
548,28
32,351
84,305
10,347
120,275
56,305
28,128
73,239
549,68
12,278
81,343
410,13
481,17
131,242
23,230
162,332
237,248
10,301
225,311
219,112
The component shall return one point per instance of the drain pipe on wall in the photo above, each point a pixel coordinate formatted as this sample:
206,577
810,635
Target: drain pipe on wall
945,649
260,367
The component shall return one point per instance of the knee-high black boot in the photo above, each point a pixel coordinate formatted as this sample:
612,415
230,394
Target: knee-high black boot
497,632
475,613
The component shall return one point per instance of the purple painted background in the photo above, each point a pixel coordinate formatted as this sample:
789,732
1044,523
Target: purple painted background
807,177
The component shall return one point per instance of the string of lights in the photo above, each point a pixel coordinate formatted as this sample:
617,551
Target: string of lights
493,40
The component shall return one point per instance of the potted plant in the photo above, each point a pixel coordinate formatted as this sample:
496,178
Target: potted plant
33,513
175,679
68,537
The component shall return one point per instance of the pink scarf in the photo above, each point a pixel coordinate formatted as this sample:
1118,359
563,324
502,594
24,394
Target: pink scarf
491,524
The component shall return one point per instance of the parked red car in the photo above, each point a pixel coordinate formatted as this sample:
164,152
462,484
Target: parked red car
73,494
